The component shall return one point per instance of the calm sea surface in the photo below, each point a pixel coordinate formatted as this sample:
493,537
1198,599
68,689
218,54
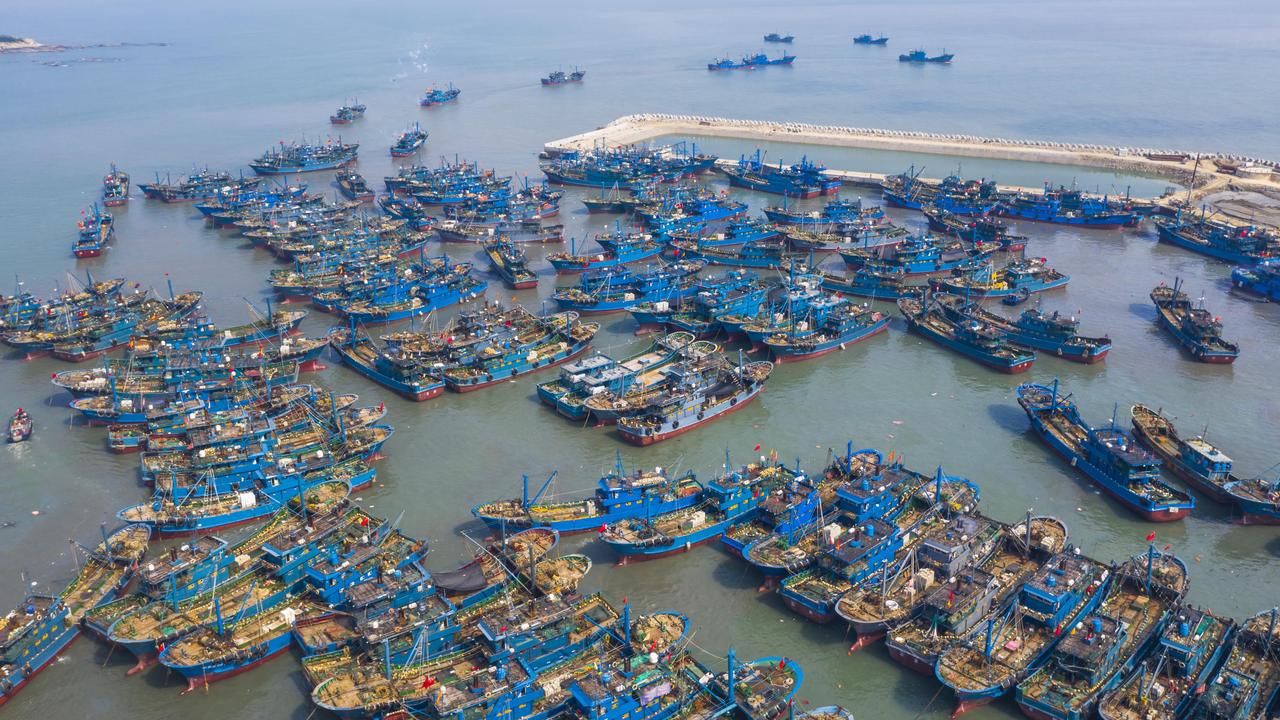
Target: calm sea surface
240,76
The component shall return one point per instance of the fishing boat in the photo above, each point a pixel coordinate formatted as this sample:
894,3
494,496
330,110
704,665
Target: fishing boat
1069,207
920,56
728,64
439,96
409,142
1194,327
20,426
200,185
115,187
681,411
550,341
835,212
777,38
1015,643
1245,686
347,114
955,610
870,40
618,496
735,233
619,249
599,294
513,231
353,186
599,378
508,260
1197,462
95,231
1091,661
1052,333
953,194
767,253
761,60
801,180
871,282
980,230
733,497
560,77
294,157
392,370
42,627
1219,239
1105,455
846,324
920,255
1261,279
972,337
199,514
1183,660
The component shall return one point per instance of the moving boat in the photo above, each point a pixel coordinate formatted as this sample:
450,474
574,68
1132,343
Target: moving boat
20,426
559,77
776,38
96,230
920,56
439,96
115,187
347,113
869,40
409,142
1106,455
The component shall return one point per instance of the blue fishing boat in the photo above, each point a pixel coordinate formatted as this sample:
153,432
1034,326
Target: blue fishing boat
560,77
733,497
953,195
439,96
302,157
1052,333
871,282
1085,665
392,370
95,231
1183,659
618,496
199,185
619,249
550,340
777,38
1106,455
672,282
409,142
1195,461
920,56
42,627
1239,244
870,40
1029,275
728,64
198,515
1016,642
972,337
1194,327
920,255
736,291
770,253
847,324
508,260
1246,684
735,233
591,379
1262,279
835,212
979,230
761,59
801,180
1069,207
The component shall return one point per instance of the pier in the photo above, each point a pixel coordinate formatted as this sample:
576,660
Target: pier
1204,169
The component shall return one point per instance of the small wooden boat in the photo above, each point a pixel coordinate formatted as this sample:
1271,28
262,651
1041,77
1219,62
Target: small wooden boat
20,426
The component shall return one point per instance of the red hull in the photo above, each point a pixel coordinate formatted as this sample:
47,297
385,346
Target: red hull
115,203
497,381
151,659
811,615
1164,515
910,662
1255,519
646,440
964,706
1015,369
525,285
865,640
1216,360
87,253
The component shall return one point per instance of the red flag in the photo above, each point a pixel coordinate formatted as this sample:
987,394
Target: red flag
1166,547
603,528
782,664
427,682
1151,537
624,599
364,522
757,447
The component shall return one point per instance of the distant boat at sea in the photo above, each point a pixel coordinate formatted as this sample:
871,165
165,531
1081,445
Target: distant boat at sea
559,77
776,38
920,56
868,40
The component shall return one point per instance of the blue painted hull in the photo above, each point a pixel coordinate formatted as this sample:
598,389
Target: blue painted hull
1017,364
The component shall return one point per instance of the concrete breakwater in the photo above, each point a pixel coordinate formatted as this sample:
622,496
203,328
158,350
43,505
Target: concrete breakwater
1180,167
